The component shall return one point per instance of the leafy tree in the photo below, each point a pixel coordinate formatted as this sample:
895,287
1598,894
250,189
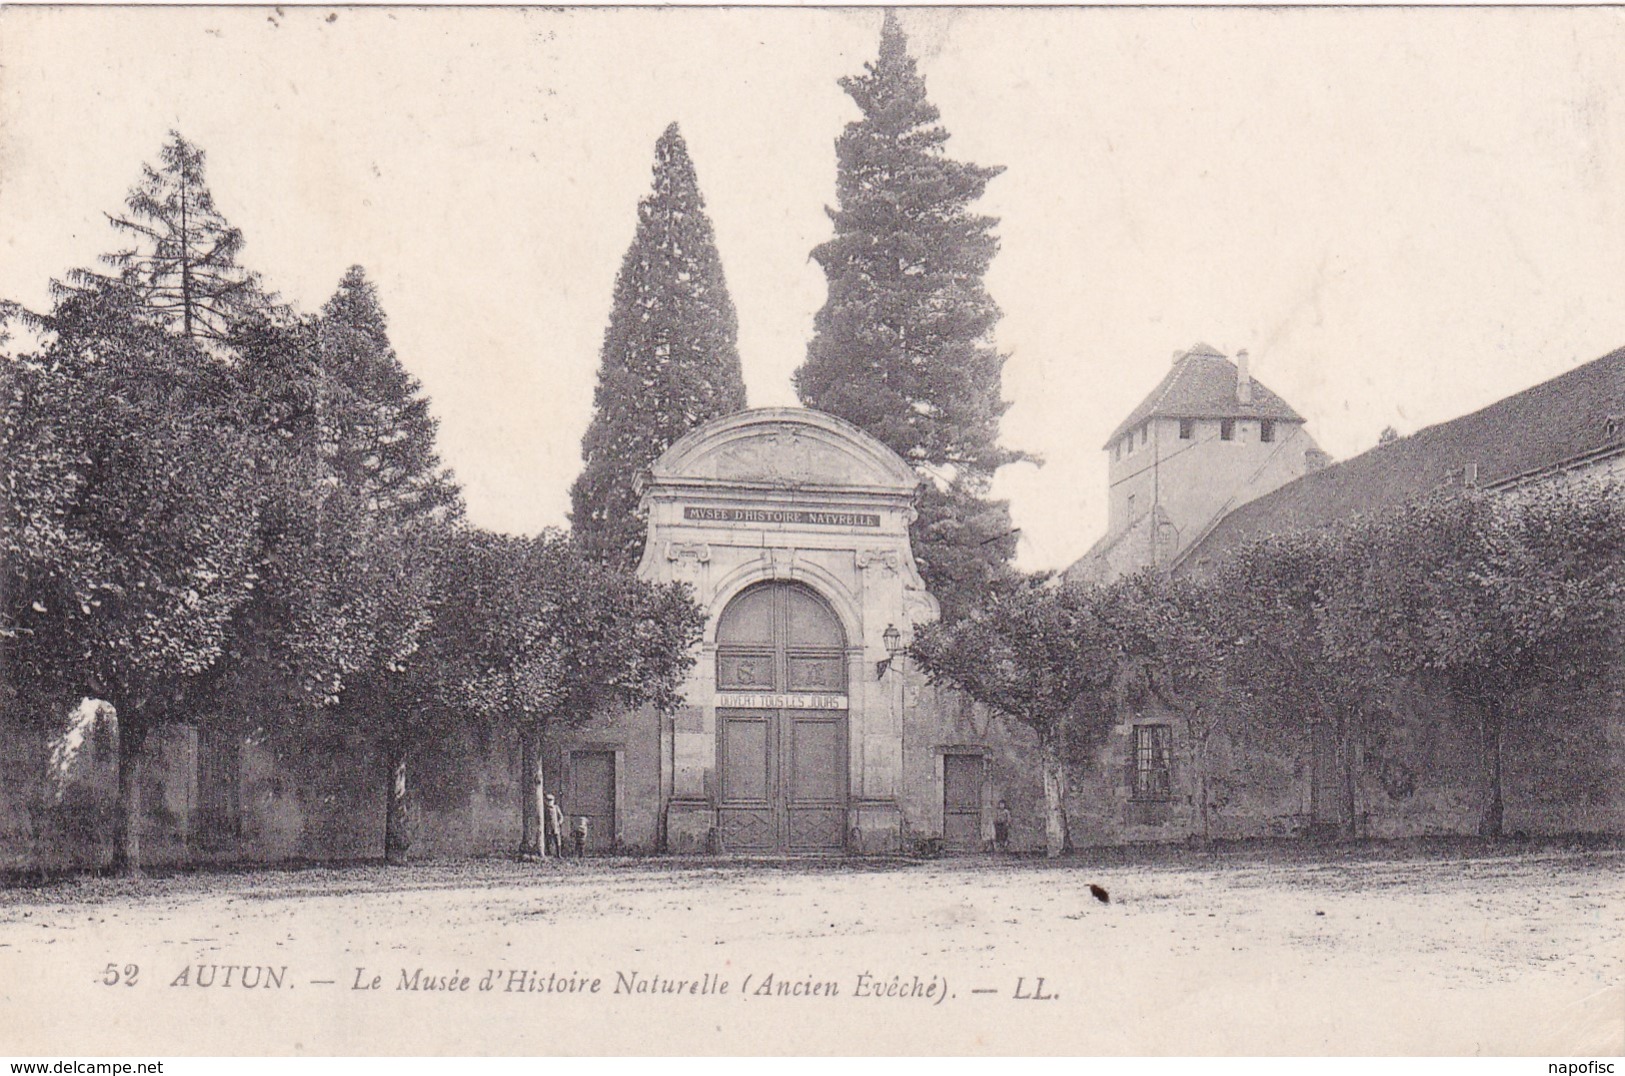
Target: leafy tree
1044,656
43,478
1176,645
136,508
903,345
1489,595
314,619
549,637
182,259
395,694
670,360
1283,669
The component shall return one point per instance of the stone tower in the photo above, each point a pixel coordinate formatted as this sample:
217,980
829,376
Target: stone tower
1207,439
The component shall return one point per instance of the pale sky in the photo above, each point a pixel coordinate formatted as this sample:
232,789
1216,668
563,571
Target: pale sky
1403,215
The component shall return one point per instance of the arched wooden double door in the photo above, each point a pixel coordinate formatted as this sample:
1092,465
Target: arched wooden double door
781,723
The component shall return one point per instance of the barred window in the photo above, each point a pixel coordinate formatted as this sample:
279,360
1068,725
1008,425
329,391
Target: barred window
1153,762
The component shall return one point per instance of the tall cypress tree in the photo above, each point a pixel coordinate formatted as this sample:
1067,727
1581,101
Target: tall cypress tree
670,360
902,346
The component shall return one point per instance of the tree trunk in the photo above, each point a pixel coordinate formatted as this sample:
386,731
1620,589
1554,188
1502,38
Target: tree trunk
1312,754
1492,819
532,798
1346,760
131,755
1199,756
186,264
1057,837
397,816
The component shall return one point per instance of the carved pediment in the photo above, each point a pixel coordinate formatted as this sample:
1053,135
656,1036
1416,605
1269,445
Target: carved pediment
784,456
787,447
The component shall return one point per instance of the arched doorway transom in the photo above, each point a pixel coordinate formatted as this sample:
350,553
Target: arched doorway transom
780,637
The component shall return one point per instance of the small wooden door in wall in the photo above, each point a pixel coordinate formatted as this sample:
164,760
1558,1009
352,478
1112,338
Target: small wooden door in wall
592,792
962,802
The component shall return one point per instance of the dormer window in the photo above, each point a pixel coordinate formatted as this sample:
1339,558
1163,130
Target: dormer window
1266,430
1187,429
1227,429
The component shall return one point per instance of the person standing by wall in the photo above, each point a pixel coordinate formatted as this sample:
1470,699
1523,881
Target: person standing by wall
553,826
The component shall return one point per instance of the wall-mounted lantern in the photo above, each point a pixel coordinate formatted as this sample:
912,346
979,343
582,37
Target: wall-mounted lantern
894,646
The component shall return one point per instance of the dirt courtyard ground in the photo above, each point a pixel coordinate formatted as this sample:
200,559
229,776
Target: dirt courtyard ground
1368,952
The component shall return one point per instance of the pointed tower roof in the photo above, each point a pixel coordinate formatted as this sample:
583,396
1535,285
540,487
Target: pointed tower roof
1203,384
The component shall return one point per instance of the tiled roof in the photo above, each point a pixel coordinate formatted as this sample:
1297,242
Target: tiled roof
1202,384
1556,422
1143,529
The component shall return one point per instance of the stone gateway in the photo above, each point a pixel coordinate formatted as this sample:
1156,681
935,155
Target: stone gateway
791,527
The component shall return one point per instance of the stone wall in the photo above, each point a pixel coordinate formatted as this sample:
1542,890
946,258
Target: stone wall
941,722
635,740
1564,772
316,803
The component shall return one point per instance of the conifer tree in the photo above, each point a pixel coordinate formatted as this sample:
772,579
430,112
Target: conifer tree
182,261
902,346
670,359
375,427
376,436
